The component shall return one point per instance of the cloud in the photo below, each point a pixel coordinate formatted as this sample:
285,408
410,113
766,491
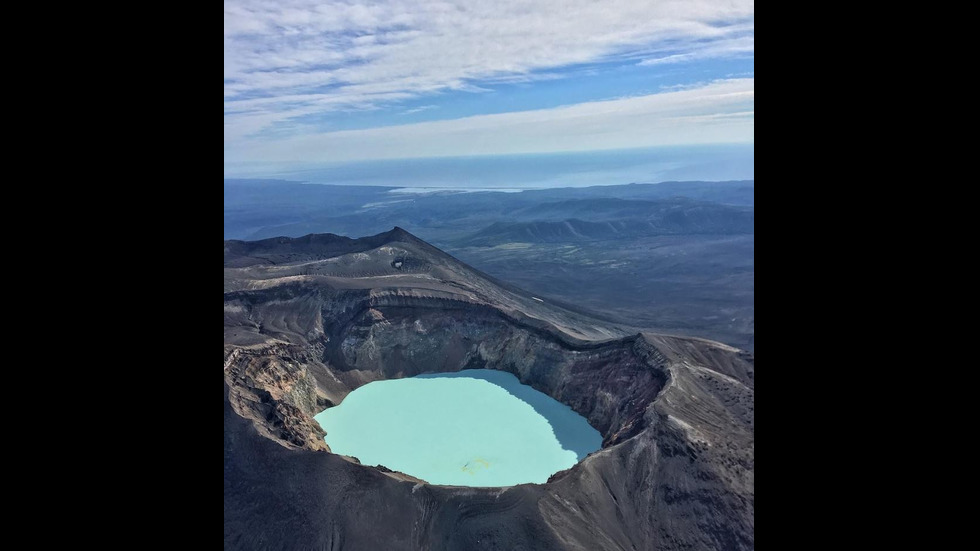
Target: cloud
717,112
419,109
288,60
732,46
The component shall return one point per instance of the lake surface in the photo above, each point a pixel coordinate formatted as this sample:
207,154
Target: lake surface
476,427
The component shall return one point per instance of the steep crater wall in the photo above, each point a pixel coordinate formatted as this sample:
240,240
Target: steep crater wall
336,342
609,384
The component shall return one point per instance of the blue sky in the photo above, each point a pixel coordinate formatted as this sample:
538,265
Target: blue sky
310,83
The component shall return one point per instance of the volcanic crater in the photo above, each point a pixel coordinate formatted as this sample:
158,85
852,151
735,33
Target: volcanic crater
308,320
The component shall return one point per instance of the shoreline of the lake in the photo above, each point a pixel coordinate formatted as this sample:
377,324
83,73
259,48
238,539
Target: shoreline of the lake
476,427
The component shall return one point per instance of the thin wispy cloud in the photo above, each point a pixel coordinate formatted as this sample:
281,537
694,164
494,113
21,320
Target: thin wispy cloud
292,64
720,112
739,45
419,109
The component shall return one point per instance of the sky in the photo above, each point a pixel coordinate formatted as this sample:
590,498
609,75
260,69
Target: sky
316,84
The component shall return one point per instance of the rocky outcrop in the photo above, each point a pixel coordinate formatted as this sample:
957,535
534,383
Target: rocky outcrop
274,388
309,320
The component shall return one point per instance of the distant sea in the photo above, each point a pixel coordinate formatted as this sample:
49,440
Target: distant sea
518,172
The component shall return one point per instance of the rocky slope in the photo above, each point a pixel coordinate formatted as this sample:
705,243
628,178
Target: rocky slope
310,319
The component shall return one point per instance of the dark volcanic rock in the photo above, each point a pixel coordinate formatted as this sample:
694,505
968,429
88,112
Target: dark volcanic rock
310,319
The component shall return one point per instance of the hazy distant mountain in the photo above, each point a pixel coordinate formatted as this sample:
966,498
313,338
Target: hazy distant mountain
620,219
269,208
739,192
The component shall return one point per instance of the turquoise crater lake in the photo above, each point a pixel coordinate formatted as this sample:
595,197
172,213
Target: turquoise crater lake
476,427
